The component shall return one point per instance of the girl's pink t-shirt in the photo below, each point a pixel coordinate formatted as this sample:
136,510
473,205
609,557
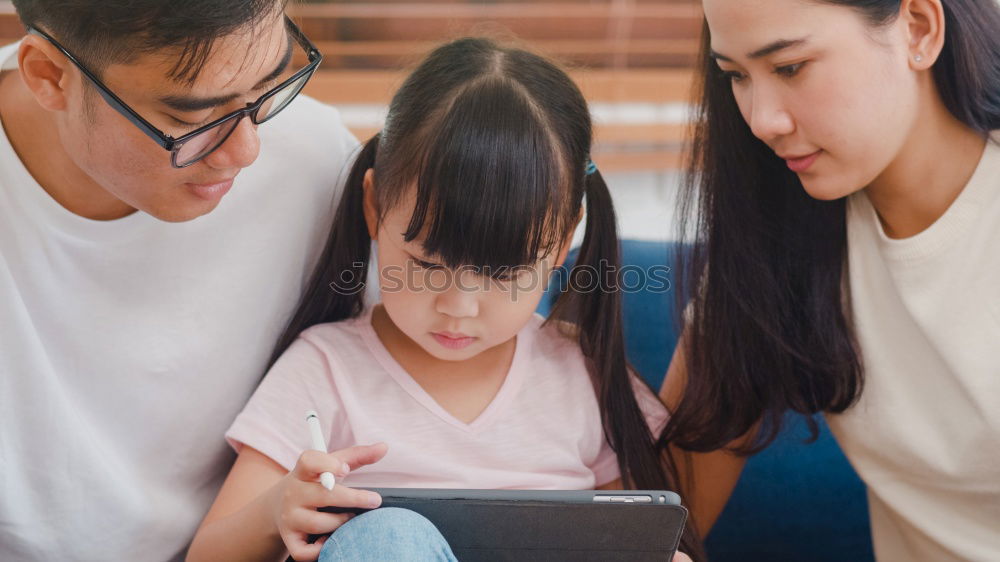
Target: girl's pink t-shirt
541,431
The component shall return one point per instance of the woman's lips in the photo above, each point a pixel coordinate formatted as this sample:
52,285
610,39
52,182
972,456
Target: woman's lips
451,340
799,164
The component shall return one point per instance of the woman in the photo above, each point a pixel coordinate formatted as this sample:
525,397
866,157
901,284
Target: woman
845,195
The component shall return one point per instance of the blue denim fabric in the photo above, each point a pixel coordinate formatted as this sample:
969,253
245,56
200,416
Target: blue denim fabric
389,534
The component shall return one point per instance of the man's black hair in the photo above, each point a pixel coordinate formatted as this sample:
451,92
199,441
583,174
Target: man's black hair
104,32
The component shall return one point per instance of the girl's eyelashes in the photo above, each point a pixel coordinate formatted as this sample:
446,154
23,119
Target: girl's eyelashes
505,274
426,264
501,274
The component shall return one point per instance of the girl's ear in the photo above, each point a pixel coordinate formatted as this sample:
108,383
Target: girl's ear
925,31
567,243
371,209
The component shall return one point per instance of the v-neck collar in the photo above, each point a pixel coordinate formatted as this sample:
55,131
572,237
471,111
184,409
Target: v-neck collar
511,383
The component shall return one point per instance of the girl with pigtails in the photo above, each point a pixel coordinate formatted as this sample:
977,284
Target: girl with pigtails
471,194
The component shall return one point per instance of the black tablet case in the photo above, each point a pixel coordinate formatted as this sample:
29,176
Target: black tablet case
495,530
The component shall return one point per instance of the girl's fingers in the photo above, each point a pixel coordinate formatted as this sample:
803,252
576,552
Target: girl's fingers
681,557
313,522
300,550
342,496
312,495
313,463
361,455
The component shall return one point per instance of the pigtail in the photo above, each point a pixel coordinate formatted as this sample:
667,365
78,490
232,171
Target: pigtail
594,305
515,127
337,287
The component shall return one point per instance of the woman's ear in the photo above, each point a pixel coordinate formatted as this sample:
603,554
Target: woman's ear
371,208
925,31
44,71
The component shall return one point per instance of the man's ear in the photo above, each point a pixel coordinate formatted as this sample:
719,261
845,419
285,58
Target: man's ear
45,71
371,208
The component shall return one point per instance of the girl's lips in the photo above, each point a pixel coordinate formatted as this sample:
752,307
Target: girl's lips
799,165
452,341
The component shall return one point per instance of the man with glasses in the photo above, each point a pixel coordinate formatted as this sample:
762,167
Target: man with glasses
153,242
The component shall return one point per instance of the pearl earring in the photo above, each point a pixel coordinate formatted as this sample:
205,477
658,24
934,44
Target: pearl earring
918,57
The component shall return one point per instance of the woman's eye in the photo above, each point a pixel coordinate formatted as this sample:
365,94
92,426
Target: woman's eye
789,70
733,76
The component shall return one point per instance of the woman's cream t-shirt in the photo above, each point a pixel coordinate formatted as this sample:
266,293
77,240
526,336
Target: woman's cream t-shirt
925,435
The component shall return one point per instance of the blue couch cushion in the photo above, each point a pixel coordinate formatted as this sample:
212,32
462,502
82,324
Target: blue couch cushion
794,501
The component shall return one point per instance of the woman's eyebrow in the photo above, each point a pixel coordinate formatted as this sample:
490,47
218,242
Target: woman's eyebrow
192,103
768,49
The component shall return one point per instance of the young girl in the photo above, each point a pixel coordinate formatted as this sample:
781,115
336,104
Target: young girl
847,186
471,193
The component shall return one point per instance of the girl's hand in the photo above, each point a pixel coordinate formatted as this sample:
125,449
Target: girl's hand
681,557
298,495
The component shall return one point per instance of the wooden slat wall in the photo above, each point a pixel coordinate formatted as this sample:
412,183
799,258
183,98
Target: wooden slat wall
619,51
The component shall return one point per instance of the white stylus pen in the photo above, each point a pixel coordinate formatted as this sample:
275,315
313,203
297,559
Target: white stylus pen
318,443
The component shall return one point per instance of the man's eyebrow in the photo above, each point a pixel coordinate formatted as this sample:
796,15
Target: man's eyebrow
769,49
282,64
189,103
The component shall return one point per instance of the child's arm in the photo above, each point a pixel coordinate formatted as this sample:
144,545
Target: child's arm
263,511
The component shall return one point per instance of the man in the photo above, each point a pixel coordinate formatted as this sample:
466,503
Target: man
146,271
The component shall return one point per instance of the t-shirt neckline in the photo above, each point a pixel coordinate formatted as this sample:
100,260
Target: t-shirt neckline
511,383
953,224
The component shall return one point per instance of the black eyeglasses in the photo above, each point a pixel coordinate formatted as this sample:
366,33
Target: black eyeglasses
192,147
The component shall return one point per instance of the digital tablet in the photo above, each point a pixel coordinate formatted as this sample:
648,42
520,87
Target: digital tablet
549,525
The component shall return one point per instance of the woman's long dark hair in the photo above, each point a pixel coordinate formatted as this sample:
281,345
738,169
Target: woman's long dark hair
496,141
768,329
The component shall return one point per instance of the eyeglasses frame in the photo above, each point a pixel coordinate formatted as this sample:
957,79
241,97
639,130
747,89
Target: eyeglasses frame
174,144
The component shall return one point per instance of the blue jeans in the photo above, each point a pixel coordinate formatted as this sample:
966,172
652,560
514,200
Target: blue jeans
389,534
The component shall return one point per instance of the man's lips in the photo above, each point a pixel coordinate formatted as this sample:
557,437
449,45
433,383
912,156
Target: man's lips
213,191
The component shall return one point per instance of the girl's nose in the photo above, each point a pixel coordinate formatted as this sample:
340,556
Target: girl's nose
461,298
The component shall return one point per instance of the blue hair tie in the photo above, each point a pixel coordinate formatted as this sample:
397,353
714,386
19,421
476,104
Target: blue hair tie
591,167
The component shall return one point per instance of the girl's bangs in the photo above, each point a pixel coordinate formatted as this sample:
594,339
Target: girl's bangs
490,188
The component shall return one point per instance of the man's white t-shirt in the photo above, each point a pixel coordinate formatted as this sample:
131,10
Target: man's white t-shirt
925,435
127,347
